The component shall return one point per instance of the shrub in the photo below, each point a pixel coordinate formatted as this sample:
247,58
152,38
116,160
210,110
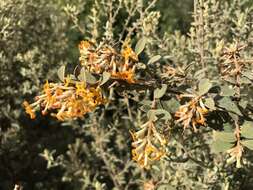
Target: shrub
181,102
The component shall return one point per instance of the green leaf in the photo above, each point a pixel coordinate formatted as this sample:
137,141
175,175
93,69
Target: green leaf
154,114
227,91
61,73
204,86
159,92
248,144
87,77
154,59
247,129
227,128
248,74
245,80
106,76
200,74
166,187
140,45
209,102
224,136
243,103
171,105
220,146
229,105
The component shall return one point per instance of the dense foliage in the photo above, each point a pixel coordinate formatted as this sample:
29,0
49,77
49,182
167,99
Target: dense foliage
149,95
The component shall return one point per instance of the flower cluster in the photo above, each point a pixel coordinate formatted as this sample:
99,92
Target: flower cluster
174,75
70,100
192,113
106,58
232,64
148,145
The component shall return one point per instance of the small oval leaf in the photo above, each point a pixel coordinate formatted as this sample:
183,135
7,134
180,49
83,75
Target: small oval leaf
248,144
106,76
61,73
229,105
159,92
204,86
209,102
154,59
140,45
87,77
247,129
227,91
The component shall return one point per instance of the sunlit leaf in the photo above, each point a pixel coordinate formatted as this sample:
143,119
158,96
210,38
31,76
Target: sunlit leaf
158,113
171,105
61,73
224,136
154,59
204,86
247,129
227,91
248,144
166,187
140,45
220,146
209,102
229,105
105,77
87,77
248,74
159,92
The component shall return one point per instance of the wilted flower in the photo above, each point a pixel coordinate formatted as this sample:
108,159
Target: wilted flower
148,145
71,99
106,58
232,64
192,113
236,155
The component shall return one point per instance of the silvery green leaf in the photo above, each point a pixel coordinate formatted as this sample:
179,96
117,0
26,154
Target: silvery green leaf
171,105
87,77
220,146
209,102
224,136
154,114
229,105
227,90
105,77
140,45
154,59
248,144
159,92
248,74
61,73
204,86
247,129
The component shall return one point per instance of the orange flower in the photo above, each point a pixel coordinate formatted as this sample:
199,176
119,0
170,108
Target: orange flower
127,53
125,75
106,58
29,110
70,101
148,145
192,113
84,45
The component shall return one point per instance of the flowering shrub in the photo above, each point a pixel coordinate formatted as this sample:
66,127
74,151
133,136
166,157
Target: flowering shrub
182,103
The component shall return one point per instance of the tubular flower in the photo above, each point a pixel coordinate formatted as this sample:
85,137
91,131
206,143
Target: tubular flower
192,113
106,58
148,145
236,155
29,110
70,100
